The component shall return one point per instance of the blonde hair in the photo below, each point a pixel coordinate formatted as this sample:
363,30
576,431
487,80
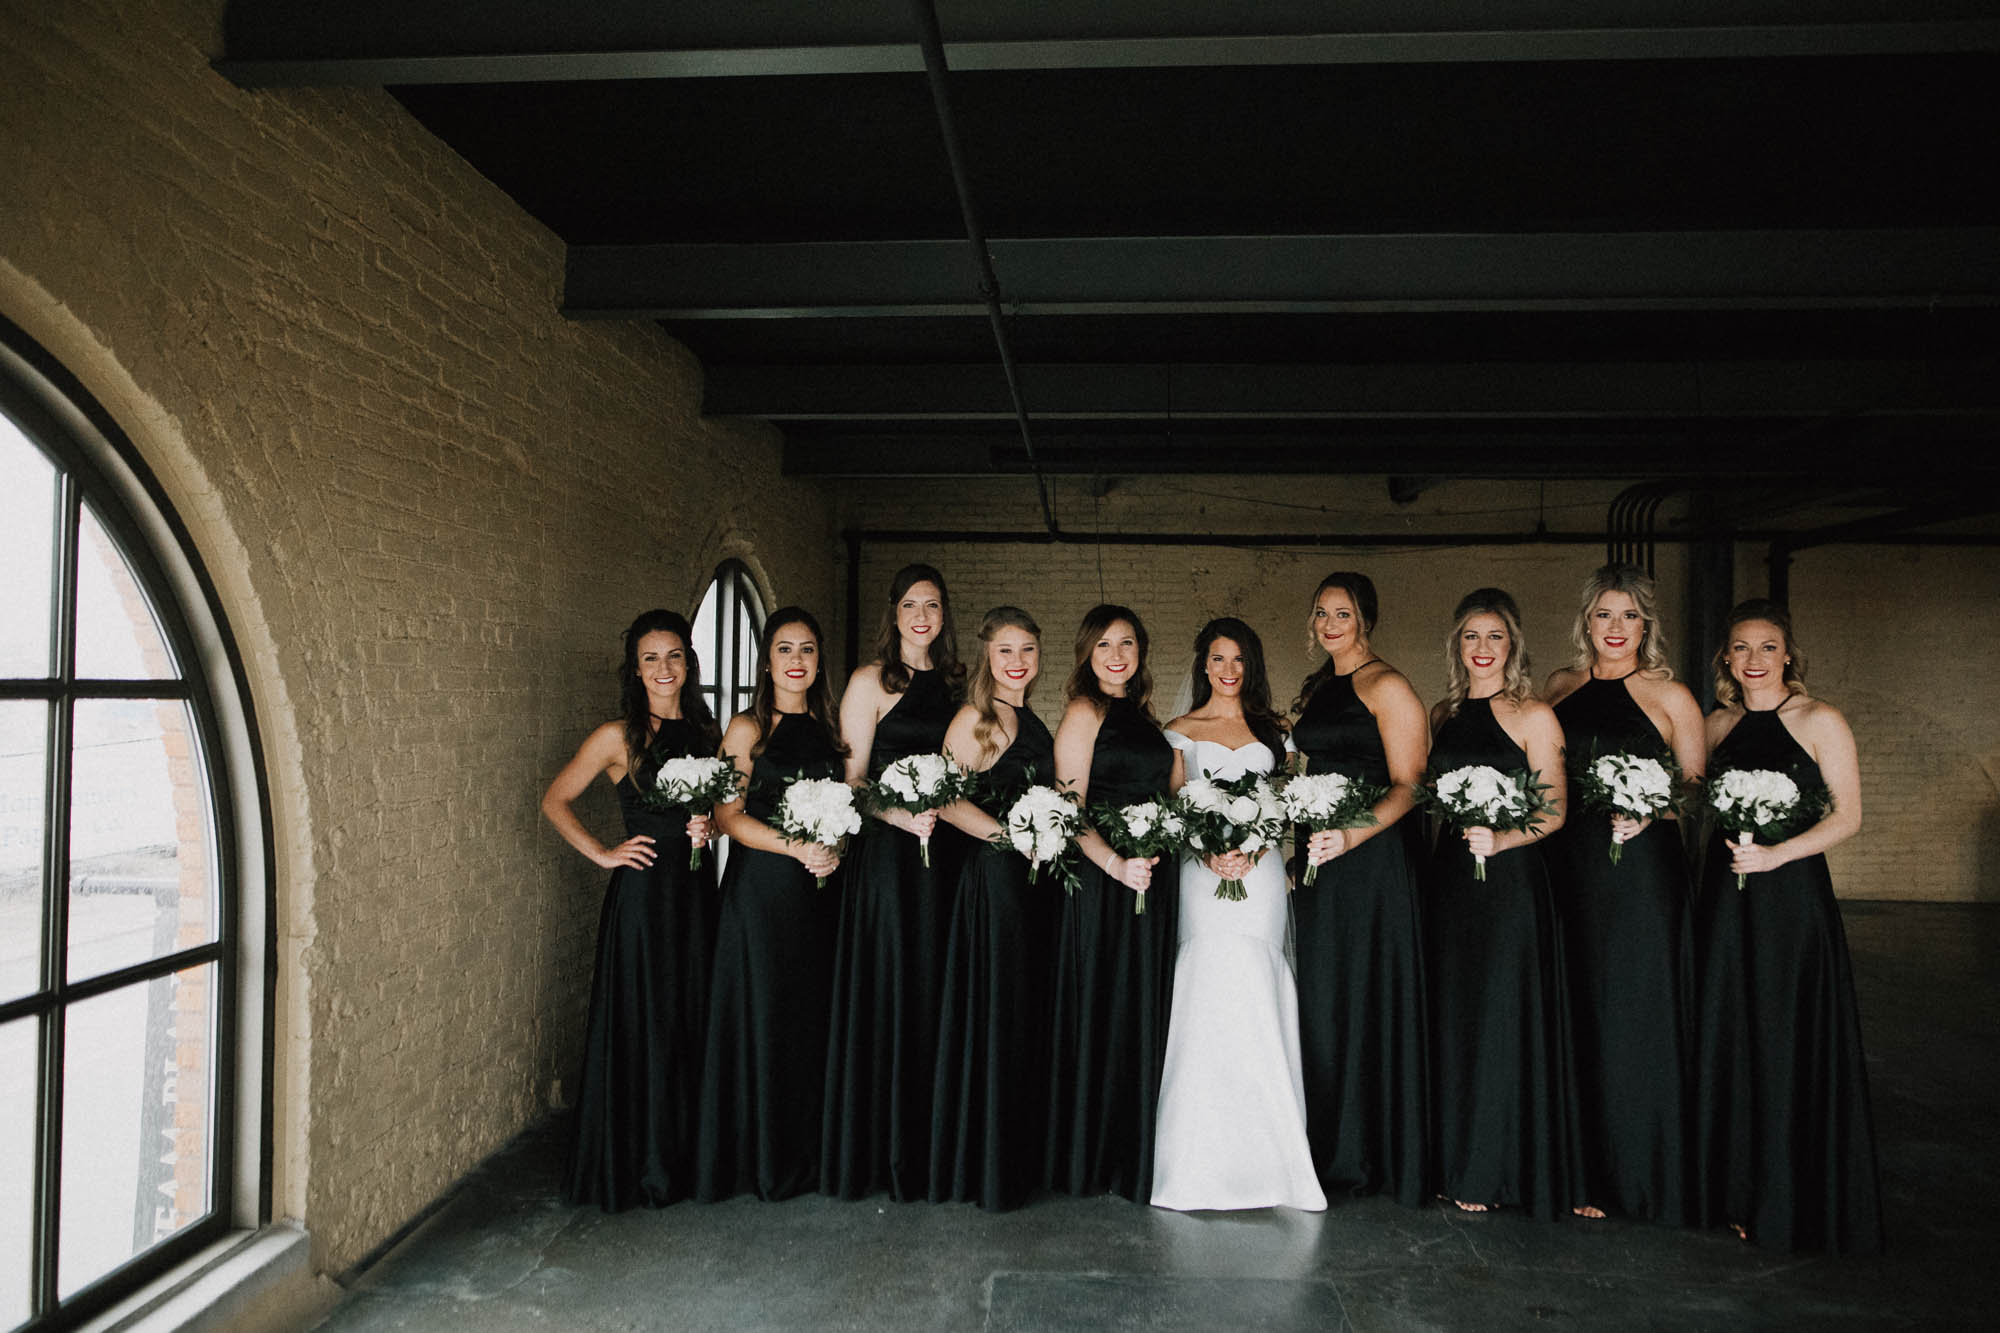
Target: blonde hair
1637,584
980,685
1515,683
1728,692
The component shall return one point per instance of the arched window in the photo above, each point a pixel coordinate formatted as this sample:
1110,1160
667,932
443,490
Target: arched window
123,736
725,632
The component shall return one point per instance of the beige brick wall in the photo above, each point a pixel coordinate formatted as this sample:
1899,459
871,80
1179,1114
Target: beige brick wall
431,505
1886,627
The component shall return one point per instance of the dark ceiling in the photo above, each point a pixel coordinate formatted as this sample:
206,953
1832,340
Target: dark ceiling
1617,238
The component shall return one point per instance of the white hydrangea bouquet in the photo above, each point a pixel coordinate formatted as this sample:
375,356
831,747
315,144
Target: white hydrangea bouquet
693,783
1240,814
1141,829
1635,786
1317,802
1041,825
1752,803
1481,796
918,783
820,810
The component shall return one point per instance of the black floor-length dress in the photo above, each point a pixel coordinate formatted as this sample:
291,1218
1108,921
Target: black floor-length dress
637,1097
765,1065
1114,988
888,964
1358,935
1629,954
1785,1142
1498,1042
990,1107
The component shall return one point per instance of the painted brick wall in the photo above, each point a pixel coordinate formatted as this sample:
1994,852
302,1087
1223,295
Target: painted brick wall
1886,627
431,506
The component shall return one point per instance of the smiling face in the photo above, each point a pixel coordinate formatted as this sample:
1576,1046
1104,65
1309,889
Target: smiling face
1114,658
663,669
1483,645
1616,628
1336,623
794,664
1757,654
1014,658
919,615
1225,668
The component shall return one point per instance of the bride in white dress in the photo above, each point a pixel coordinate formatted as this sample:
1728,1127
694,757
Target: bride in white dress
1232,1117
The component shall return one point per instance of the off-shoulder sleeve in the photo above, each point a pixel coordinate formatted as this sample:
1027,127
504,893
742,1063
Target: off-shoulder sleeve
1178,741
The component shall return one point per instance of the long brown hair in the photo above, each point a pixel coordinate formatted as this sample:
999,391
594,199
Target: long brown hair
895,673
980,687
1265,723
1360,590
638,711
1082,682
1637,584
1728,692
819,694
1515,683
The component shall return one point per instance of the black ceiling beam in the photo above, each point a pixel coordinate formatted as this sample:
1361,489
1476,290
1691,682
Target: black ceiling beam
375,42
1561,390
1429,272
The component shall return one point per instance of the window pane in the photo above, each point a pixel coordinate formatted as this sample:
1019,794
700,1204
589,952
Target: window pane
17,1168
136,1121
24,738
117,635
141,873
27,553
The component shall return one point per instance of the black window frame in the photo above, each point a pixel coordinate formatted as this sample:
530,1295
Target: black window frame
735,586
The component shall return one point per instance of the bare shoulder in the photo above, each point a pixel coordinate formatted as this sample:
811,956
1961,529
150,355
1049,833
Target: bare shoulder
1817,717
1561,684
609,738
1721,722
1379,684
866,680
1081,714
741,734
1660,687
1186,724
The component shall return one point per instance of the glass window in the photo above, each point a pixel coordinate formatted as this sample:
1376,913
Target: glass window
119,940
725,631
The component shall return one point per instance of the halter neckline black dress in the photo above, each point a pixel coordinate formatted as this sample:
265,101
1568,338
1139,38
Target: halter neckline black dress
990,1108
1629,954
1785,1141
642,1050
1499,1044
1114,988
888,965
1359,936
765,1064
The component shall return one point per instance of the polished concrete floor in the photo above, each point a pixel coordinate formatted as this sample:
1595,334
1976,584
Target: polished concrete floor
503,1253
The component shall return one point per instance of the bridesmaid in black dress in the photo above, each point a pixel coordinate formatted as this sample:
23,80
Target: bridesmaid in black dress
766,1058
1114,979
1626,938
1785,1142
889,954
1499,1043
1358,926
989,1125
642,1050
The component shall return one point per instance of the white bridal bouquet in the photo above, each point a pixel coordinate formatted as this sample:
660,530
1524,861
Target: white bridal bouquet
1040,825
1481,796
1317,802
818,810
1763,802
1240,814
1633,785
691,783
1142,829
918,783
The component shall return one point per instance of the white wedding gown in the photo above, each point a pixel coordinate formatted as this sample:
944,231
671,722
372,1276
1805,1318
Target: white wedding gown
1232,1118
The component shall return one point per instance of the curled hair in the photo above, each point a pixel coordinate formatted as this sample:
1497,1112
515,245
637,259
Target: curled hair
1637,584
1727,691
1515,684
1265,723
819,694
980,687
1360,590
895,673
1082,682
638,710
